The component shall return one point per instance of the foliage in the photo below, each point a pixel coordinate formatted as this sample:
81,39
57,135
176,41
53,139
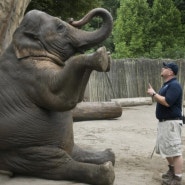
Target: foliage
166,26
150,3
64,9
180,4
148,29
130,28
111,6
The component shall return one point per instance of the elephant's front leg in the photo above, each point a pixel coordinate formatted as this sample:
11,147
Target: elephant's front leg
71,82
99,61
95,157
55,164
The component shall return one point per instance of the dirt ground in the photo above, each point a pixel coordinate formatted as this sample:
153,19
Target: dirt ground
132,138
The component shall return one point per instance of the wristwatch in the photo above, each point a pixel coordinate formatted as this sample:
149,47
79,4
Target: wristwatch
154,94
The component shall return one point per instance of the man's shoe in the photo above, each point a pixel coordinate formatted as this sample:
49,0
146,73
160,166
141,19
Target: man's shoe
174,181
169,174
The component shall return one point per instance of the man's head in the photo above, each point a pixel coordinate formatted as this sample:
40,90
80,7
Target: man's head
172,66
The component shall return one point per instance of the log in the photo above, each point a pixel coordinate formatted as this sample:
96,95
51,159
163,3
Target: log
96,111
125,102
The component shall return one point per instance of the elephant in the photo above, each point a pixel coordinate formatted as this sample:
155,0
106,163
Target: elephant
43,76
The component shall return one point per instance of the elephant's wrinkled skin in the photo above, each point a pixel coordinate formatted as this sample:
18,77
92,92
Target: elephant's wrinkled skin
42,77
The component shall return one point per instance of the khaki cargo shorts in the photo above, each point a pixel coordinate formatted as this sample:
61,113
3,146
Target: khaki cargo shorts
169,143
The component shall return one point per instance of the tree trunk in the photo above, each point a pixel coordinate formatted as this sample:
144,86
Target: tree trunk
11,13
96,111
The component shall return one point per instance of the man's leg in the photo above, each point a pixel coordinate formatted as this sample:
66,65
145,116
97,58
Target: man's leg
174,177
170,173
170,161
178,165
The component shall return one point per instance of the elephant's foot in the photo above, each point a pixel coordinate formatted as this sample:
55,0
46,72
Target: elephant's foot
93,174
101,60
109,154
4,170
7,173
106,175
102,157
94,157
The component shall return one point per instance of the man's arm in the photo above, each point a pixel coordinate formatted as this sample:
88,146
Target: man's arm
160,99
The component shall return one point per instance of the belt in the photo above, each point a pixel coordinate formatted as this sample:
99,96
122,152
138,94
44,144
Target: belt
161,120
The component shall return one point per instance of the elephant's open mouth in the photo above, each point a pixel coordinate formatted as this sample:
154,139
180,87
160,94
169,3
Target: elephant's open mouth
46,58
55,59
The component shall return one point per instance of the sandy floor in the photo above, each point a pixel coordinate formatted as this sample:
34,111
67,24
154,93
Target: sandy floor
132,138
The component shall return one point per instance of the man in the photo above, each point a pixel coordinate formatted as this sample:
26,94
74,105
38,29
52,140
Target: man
169,114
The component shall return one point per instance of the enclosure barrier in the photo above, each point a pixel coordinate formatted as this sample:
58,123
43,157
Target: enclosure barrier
129,78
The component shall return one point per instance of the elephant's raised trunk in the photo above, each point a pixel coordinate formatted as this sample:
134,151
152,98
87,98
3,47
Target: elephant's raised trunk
89,39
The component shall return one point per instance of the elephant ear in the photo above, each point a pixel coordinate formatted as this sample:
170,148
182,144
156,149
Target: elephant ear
26,38
24,44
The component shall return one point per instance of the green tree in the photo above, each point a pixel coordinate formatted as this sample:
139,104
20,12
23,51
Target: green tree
64,9
130,28
166,27
149,29
180,4
150,2
111,6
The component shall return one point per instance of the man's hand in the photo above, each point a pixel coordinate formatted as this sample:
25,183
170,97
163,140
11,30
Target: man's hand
160,99
150,90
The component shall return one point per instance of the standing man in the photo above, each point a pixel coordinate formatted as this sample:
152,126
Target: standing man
169,114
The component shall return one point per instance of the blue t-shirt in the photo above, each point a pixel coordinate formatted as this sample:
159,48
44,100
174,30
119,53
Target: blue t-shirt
172,91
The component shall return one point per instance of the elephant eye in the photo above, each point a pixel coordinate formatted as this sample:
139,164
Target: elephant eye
60,27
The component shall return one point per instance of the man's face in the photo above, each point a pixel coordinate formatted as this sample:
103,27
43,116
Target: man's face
166,72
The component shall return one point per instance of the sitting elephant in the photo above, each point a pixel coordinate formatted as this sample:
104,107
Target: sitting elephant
43,75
